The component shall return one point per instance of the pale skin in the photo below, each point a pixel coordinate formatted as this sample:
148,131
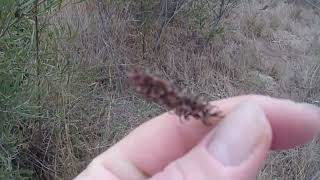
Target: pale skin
166,149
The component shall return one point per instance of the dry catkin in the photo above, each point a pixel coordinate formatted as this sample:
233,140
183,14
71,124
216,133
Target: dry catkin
165,93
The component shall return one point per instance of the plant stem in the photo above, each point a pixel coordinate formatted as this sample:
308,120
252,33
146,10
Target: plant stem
38,65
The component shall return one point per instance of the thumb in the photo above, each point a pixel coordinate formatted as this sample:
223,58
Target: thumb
235,149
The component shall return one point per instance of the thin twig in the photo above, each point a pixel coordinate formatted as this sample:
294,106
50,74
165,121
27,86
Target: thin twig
36,21
37,37
317,6
167,20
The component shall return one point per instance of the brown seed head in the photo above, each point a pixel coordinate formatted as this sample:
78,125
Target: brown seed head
165,93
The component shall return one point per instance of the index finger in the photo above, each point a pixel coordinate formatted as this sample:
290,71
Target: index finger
156,143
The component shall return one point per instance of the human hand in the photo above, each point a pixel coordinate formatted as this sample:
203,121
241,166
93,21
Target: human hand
166,149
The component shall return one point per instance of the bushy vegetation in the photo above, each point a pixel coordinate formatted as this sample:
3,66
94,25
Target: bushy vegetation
27,51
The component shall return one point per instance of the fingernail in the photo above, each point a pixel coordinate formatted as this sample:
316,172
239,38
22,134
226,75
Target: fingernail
236,137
